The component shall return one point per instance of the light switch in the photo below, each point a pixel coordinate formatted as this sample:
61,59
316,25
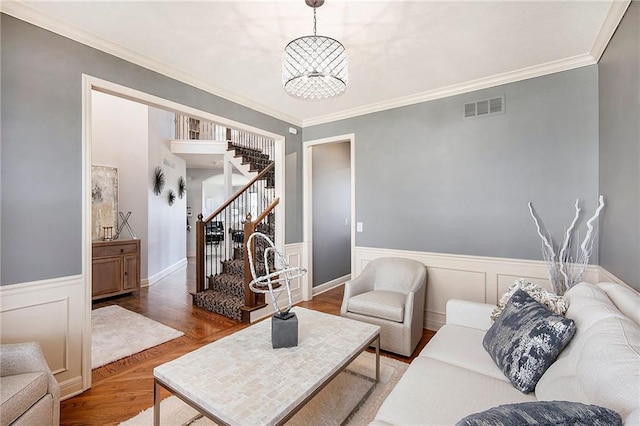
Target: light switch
346,222
359,226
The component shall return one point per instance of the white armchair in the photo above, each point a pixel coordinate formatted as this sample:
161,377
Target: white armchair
390,292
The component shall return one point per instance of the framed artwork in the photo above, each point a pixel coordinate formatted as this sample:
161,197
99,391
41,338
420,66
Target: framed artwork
104,201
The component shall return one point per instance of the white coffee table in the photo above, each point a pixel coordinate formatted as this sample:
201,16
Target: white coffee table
241,379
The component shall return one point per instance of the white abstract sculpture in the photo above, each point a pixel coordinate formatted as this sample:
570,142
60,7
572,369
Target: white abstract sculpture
265,283
566,267
284,324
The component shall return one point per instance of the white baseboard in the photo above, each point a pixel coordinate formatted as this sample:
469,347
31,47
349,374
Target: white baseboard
474,278
70,388
146,282
319,289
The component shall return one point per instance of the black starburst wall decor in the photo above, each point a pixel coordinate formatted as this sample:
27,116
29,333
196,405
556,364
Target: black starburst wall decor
182,187
158,180
171,196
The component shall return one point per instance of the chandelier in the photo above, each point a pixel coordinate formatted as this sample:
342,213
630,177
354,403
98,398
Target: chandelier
314,67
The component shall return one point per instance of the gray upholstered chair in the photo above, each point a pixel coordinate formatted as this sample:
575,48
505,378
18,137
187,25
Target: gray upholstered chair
29,394
390,292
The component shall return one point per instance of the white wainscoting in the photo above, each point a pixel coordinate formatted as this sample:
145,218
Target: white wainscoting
606,276
293,255
50,312
474,278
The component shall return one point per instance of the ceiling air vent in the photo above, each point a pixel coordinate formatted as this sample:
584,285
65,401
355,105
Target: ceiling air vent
484,107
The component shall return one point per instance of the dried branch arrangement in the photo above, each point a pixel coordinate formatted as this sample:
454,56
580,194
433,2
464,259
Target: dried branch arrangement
567,262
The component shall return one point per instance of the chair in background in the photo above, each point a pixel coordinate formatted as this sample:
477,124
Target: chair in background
29,394
390,292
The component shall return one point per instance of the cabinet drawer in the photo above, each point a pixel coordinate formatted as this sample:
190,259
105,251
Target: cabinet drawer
114,250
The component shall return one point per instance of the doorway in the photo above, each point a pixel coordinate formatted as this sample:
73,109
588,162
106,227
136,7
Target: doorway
91,84
329,212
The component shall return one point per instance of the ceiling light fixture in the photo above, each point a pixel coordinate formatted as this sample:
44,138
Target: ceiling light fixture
314,67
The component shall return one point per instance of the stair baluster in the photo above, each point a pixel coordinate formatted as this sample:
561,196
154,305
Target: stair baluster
222,274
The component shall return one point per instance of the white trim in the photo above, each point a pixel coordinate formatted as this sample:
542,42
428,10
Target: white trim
146,282
474,278
20,10
29,14
457,89
307,208
86,228
70,388
611,22
606,276
125,92
319,289
28,287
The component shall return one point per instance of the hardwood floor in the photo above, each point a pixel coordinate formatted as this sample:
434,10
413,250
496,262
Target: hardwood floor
122,389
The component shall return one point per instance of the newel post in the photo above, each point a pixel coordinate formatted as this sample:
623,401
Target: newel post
249,296
200,254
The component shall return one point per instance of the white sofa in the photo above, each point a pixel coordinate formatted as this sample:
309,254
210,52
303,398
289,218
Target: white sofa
454,376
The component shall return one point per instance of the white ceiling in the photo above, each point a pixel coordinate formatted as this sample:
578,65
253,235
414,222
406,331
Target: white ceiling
398,50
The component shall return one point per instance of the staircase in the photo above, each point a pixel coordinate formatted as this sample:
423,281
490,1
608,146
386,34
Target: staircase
222,266
226,292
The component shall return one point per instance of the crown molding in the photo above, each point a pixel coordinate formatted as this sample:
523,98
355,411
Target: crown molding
617,10
611,22
456,89
20,10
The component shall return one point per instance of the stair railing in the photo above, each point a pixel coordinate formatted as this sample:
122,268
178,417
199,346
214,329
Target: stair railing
190,128
263,223
252,142
221,235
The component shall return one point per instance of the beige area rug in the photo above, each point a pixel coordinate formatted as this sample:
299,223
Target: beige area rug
117,333
331,406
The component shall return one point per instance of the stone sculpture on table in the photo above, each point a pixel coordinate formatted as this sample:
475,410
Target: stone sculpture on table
284,323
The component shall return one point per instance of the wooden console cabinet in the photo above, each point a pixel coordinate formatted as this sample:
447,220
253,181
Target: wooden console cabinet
115,267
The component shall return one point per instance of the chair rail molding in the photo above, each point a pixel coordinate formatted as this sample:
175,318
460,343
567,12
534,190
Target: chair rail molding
474,278
606,276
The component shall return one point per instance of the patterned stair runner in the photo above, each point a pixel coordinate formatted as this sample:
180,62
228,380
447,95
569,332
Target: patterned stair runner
226,290
225,295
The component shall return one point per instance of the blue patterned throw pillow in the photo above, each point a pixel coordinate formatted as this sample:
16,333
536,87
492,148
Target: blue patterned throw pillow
526,339
544,413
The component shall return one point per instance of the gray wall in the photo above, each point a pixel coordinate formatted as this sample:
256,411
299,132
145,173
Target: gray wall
331,191
41,160
619,74
428,180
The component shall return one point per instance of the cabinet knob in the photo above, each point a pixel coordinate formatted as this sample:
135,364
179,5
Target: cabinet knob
121,250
